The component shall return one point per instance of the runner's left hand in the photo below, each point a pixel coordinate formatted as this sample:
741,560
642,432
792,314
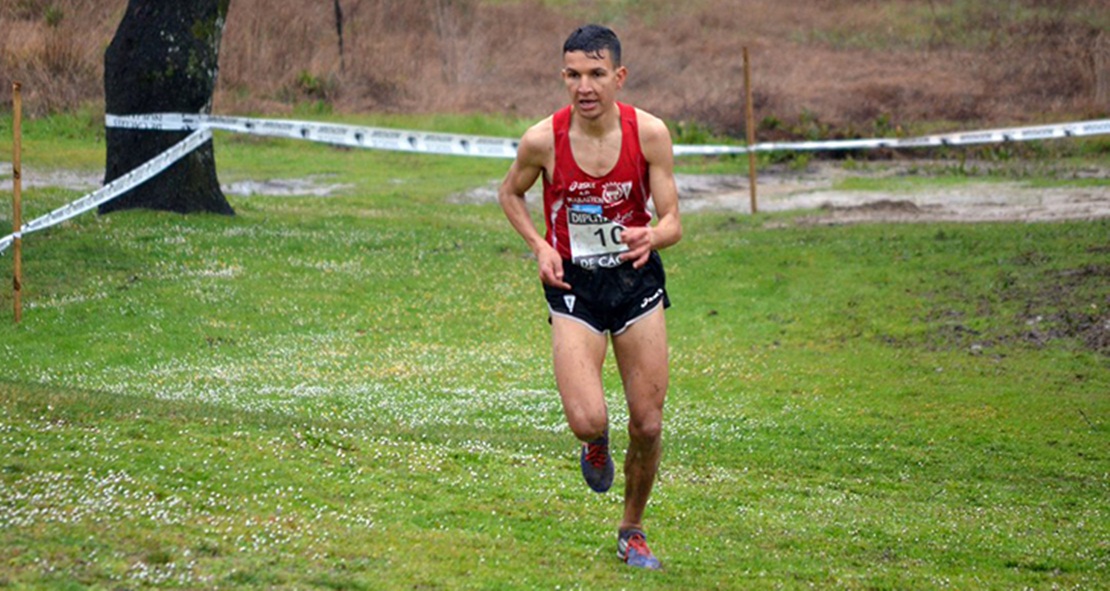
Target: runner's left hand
638,240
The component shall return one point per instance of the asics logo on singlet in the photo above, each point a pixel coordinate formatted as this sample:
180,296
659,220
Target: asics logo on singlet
648,301
610,192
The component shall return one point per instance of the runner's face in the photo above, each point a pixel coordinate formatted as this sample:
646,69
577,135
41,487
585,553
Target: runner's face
592,82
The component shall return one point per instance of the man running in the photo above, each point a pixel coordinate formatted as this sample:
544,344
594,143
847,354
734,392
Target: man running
601,161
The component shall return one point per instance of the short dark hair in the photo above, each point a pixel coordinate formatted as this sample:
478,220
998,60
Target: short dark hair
592,40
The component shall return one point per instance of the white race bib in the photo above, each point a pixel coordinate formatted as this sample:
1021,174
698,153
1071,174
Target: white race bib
595,240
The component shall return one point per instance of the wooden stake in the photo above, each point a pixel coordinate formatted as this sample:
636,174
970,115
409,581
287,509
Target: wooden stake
17,205
750,125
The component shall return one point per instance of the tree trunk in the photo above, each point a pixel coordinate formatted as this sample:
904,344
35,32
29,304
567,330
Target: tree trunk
164,59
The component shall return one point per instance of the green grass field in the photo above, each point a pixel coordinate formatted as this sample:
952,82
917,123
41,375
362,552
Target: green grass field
354,392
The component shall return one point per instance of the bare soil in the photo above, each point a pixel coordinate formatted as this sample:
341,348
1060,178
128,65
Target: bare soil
815,188
777,189
1054,308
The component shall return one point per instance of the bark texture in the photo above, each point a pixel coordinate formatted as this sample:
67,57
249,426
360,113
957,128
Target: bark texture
164,59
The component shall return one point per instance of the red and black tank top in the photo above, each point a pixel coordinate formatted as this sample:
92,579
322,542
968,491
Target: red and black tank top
585,214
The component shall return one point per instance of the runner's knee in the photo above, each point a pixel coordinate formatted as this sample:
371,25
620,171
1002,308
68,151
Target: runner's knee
587,426
646,428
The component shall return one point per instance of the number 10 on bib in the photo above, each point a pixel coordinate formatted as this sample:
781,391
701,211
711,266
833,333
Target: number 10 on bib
595,240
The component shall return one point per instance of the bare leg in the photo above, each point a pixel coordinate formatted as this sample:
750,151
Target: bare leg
579,354
641,353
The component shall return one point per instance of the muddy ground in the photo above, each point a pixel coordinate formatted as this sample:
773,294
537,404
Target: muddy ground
815,188
983,198
1052,307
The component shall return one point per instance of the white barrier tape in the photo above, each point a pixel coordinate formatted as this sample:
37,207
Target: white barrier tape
469,145
328,133
113,189
10,239
1012,134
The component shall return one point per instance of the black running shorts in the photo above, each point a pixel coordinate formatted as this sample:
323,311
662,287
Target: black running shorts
609,300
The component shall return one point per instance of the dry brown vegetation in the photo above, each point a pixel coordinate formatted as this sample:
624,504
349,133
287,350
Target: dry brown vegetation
820,67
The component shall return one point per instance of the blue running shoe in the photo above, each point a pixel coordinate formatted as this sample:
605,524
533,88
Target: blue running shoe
597,464
632,548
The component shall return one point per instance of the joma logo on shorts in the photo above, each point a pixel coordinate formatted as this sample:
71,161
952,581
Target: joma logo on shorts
647,301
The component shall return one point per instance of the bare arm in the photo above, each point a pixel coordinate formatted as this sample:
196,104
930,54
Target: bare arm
534,153
655,141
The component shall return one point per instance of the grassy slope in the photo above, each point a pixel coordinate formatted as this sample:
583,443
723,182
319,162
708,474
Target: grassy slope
354,392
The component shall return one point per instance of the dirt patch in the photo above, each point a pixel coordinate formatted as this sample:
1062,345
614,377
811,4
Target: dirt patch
314,186
816,188
1055,306
63,179
1069,304
779,189
1059,307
